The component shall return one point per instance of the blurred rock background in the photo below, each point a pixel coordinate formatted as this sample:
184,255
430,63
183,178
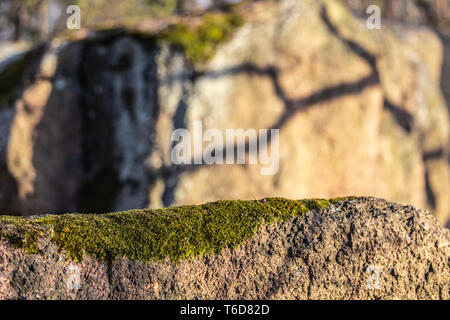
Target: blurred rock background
86,116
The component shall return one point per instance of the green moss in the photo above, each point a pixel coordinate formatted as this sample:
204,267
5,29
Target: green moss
199,44
20,233
176,233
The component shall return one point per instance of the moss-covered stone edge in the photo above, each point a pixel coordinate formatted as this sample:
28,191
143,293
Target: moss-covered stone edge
198,42
175,233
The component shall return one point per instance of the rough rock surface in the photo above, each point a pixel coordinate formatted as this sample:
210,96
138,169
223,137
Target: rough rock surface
359,111
361,248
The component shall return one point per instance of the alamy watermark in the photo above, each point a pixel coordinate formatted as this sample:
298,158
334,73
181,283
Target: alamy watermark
73,22
374,20
238,146
374,280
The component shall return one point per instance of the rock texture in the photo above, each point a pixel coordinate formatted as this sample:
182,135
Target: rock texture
361,248
359,111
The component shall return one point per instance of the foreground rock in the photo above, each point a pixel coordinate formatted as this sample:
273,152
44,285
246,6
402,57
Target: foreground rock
353,248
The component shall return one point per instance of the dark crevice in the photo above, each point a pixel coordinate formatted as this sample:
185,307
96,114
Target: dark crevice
403,118
434,154
431,198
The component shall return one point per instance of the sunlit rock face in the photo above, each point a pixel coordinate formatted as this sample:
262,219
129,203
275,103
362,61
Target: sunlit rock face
359,111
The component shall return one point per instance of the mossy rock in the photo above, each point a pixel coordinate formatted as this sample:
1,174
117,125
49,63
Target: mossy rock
199,44
173,233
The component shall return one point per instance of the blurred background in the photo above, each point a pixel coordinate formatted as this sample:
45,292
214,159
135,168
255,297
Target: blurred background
86,114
